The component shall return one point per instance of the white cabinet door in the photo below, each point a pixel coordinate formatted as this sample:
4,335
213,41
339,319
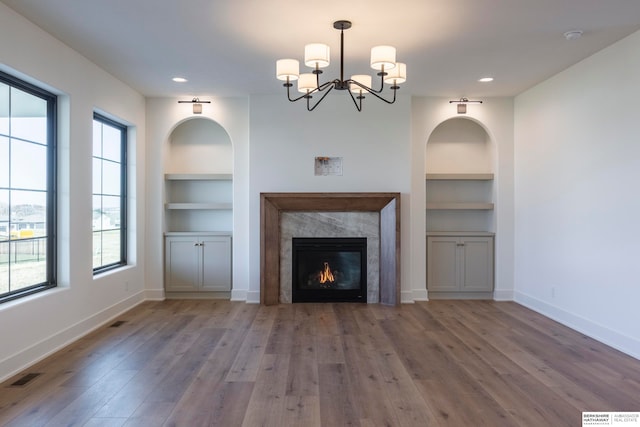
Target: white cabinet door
477,264
198,263
216,263
442,264
460,264
182,264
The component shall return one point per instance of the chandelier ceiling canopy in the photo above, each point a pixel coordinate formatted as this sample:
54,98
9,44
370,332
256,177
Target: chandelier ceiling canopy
317,56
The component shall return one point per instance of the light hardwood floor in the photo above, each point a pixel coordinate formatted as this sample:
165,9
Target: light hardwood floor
219,363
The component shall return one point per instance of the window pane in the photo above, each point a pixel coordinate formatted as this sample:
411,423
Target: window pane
111,178
28,265
4,161
97,176
4,215
4,109
4,231
29,214
97,213
28,116
110,247
97,249
28,165
4,267
111,141
111,211
97,139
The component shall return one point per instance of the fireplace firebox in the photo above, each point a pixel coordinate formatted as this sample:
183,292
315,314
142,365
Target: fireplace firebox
328,269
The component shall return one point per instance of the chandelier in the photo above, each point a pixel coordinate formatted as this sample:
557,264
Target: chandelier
316,56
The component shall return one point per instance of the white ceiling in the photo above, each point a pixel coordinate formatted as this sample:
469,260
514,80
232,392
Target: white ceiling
229,47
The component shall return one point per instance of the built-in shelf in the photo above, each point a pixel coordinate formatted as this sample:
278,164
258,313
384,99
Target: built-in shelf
199,233
460,206
460,233
459,176
198,177
199,202
209,206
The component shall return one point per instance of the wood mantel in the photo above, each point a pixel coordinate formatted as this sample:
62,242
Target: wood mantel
388,206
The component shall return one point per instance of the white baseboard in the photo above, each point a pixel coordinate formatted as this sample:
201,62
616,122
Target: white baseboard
406,297
420,295
20,361
154,295
238,295
253,297
499,295
624,343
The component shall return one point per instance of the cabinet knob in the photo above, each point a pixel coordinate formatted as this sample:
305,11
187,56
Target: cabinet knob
459,244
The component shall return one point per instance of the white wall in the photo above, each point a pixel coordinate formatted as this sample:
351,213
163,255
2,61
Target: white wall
577,162
374,145
495,115
35,326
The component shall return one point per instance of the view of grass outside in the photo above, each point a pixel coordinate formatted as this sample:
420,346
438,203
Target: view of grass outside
24,261
106,247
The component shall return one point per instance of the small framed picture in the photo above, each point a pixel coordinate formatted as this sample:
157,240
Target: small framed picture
328,166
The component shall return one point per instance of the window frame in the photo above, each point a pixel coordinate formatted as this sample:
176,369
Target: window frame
51,186
104,120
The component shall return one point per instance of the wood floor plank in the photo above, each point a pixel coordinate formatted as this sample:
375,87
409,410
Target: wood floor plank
266,406
337,396
371,401
281,336
221,363
247,362
302,376
301,411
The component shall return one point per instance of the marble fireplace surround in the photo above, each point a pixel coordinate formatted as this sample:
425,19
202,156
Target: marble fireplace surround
386,204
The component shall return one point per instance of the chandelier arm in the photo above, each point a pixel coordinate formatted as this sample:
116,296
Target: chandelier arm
289,95
353,98
381,74
319,100
317,89
325,85
374,92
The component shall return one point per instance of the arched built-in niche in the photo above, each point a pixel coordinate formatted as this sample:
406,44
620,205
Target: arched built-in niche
199,145
460,220
199,178
198,210
460,165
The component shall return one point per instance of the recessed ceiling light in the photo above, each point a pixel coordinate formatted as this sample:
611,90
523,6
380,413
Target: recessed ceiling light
179,79
485,79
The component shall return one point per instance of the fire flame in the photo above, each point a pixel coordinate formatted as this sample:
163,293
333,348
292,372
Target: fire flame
326,275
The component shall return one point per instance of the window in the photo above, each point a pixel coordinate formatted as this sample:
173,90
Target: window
27,188
109,194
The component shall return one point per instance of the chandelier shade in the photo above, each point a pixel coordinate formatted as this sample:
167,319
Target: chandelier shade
306,82
383,57
318,56
397,75
287,69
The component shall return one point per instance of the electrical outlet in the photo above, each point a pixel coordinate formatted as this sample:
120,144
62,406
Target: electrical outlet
126,285
553,292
